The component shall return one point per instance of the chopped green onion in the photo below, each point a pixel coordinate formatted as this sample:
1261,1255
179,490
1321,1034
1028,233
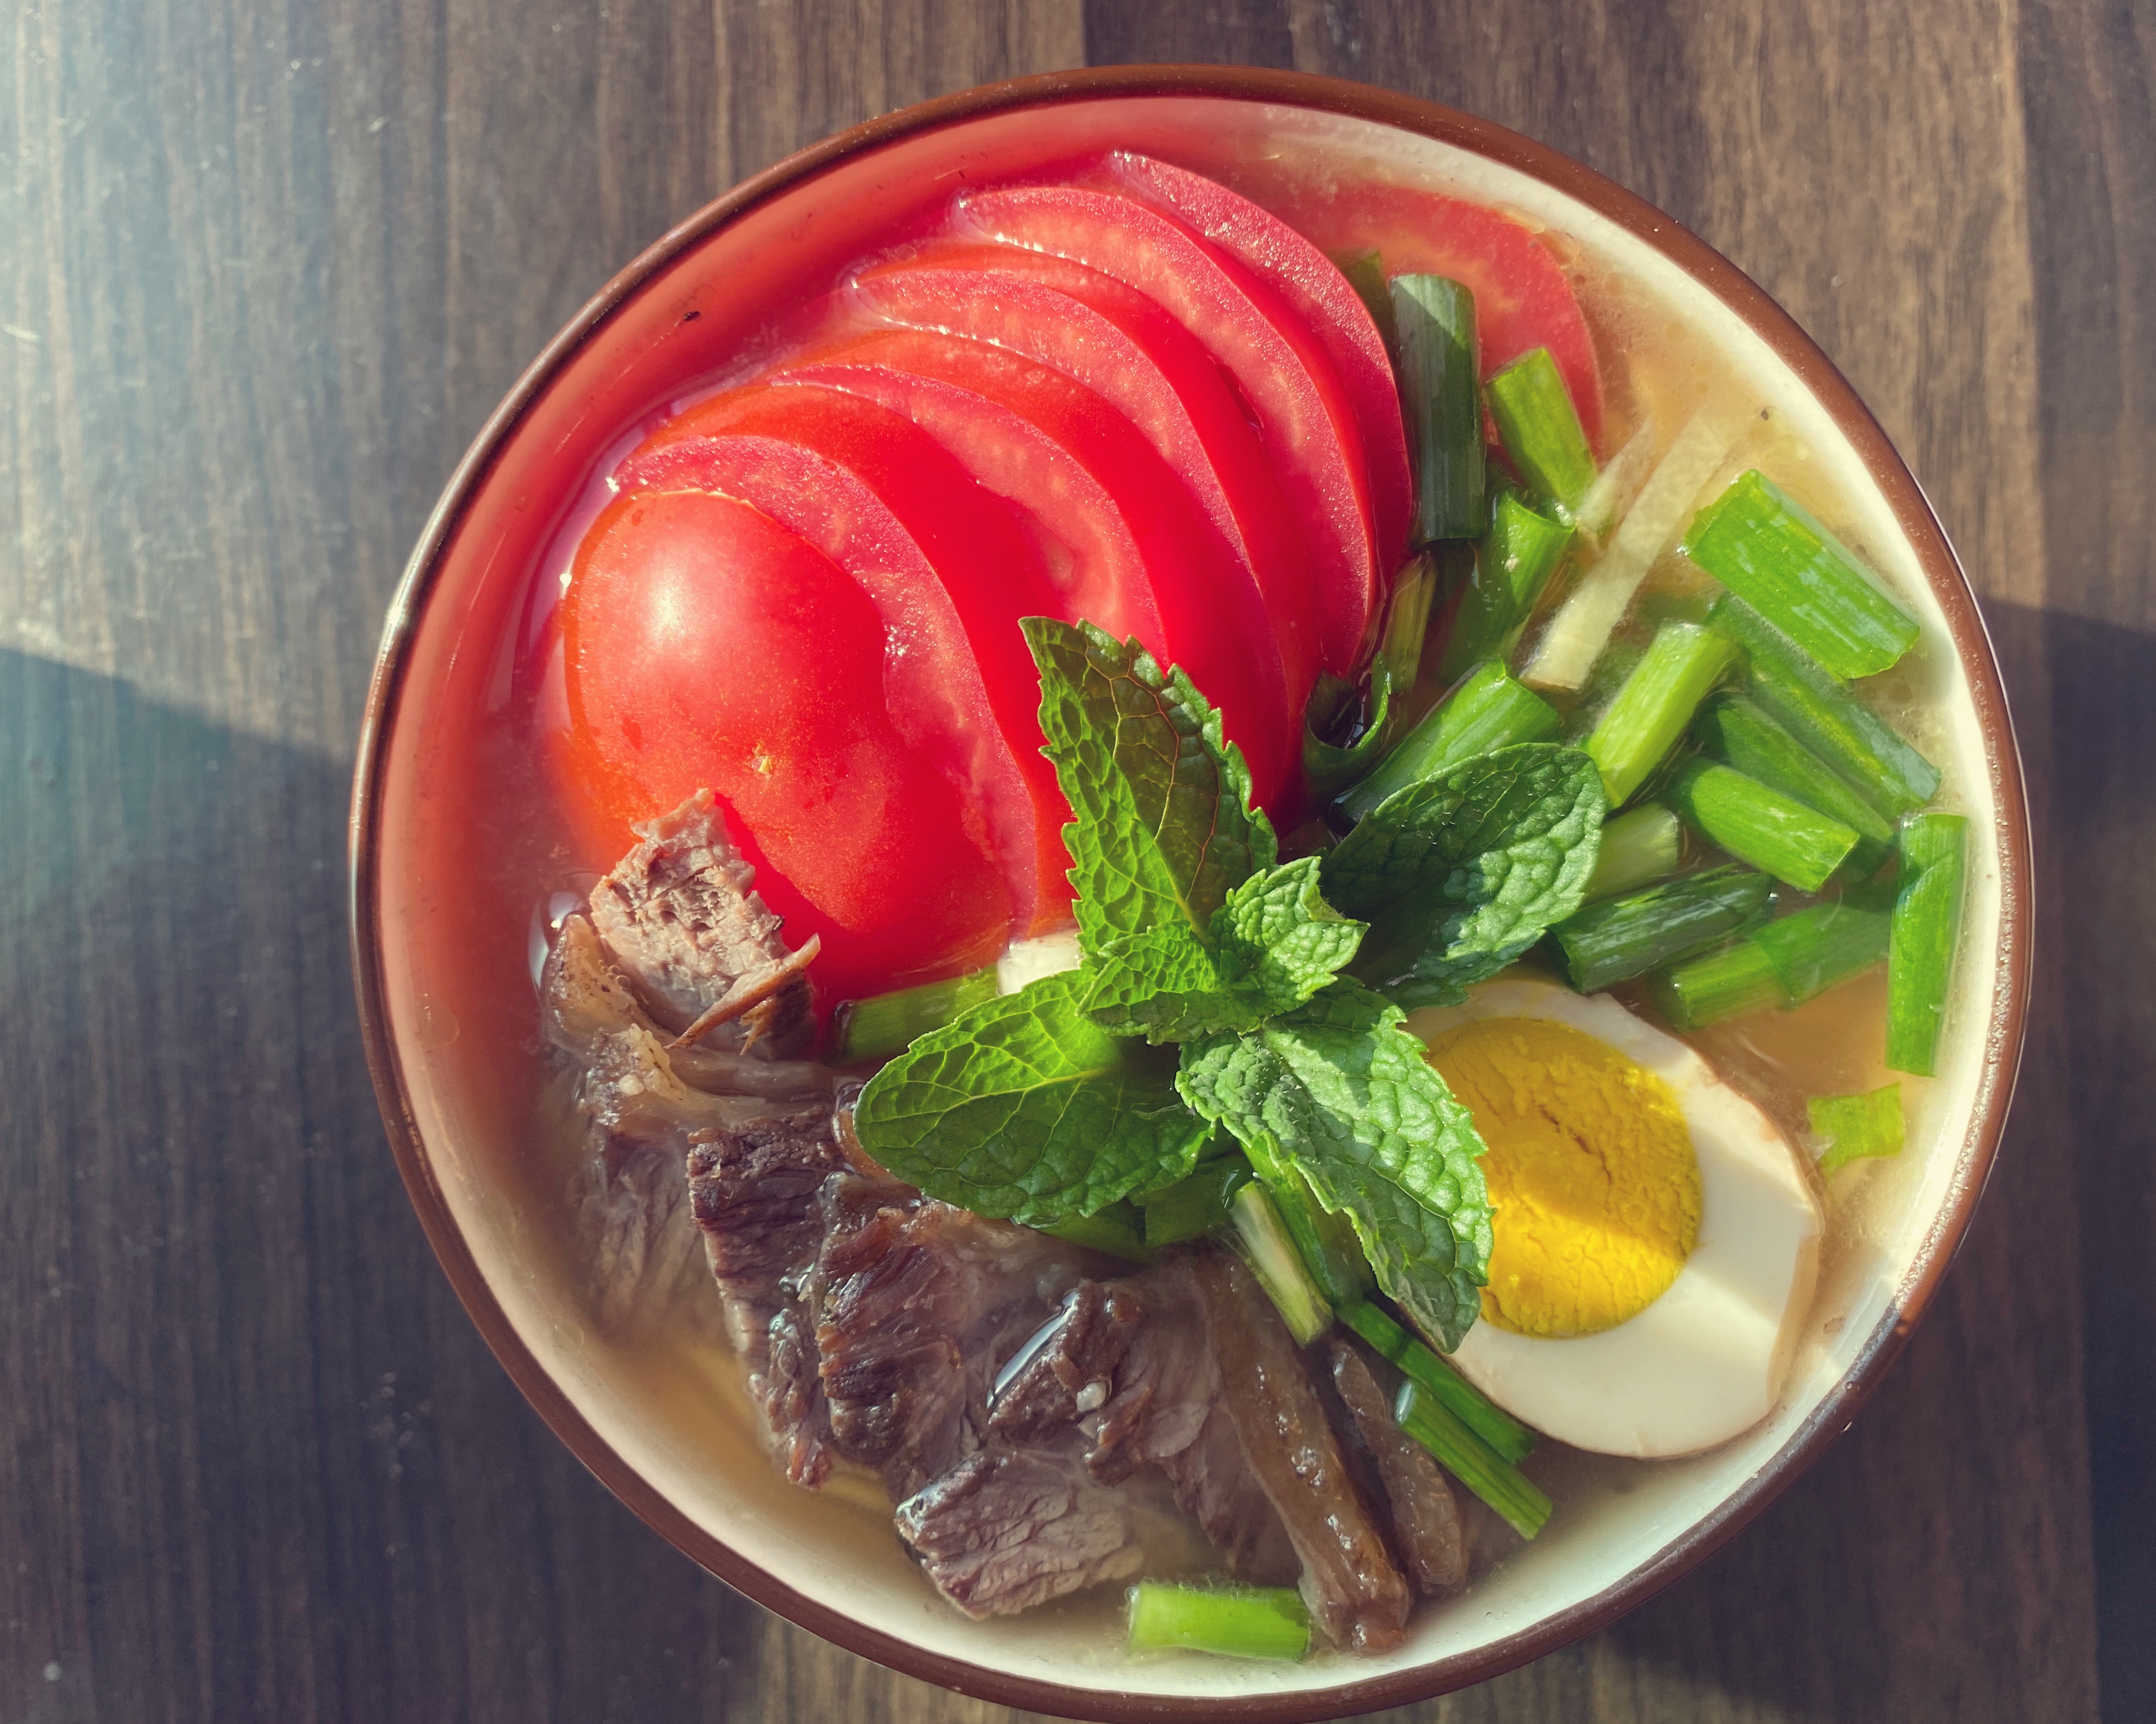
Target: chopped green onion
1506,1435
1584,624
1852,1127
873,1027
1407,619
1822,947
1329,1249
1729,983
1619,938
1470,1460
1739,732
1651,712
1329,767
1540,428
1195,1205
1488,710
1638,845
1819,713
1440,359
1365,271
1769,551
1513,566
1263,1242
1235,1622
1118,1230
1760,826
1927,927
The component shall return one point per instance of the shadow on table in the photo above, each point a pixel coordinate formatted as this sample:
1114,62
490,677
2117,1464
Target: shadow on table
256,1456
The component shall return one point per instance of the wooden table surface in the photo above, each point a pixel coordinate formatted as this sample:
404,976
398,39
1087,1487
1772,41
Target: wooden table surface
265,267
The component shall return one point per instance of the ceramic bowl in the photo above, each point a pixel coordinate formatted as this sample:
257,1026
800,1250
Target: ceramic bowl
443,911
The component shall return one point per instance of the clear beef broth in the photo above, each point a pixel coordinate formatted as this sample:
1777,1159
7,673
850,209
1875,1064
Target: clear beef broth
1655,370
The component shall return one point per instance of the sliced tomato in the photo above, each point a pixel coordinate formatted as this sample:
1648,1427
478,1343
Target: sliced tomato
950,571
1522,300
1127,350
1288,386
1031,434
706,645
1316,290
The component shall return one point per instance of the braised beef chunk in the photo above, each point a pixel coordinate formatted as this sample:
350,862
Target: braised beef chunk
1012,1526
1072,1370
679,917
1429,1535
1168,1412
757,1189
1355,1593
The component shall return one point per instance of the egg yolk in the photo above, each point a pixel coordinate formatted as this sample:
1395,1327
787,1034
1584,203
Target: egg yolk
1591,1171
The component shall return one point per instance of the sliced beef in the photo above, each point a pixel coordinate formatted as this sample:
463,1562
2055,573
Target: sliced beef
1355,1592
1069,1369
1015,1525
678,915
1428,1534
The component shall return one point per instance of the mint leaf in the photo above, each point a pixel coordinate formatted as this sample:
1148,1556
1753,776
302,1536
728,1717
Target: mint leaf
1461,874
1270,946
1164,830
1024,1108
1340,1094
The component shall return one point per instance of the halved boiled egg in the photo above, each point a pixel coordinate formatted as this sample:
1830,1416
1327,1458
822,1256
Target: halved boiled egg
1655,1237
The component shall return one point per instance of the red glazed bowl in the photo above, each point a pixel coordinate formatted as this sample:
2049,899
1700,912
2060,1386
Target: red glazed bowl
444,878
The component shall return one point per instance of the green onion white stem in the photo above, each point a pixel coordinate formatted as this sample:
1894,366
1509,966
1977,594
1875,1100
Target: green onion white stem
1262,1241
1641,845
1235,1622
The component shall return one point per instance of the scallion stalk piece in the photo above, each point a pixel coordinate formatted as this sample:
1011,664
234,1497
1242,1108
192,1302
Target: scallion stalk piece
1760,826
1488,710
1235,1622
1540,428
1471,1460
1327,1242
1771,553
1439,362
1329,767
1511,1440
1722,985
1853,1127
1365,271
1739,732
1638,845
1118,1231
1513,566
1195,1205
1581,629
1610,942
1927,927
887,1022
1407,620
1642,725
1263,1242
1823,715
1819,948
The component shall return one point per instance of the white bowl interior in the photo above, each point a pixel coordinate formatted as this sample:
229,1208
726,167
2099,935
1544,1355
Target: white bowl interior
673,1414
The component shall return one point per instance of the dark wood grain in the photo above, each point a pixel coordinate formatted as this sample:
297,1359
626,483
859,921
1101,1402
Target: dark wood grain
263,270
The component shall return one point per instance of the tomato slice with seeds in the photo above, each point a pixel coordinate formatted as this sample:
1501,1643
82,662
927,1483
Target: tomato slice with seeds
1030,433
706,645
946,565
1287,385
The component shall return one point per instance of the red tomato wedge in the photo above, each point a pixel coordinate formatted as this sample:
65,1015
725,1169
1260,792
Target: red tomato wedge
706,645
948,568
1289,388
1314,289
1522,300
1031,434
1131,353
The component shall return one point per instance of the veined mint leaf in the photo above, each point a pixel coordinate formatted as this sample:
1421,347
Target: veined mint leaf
1164,830
1461,873
1023,1107
1270,946
1340,1094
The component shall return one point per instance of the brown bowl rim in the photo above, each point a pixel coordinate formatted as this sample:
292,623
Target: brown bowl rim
1912,512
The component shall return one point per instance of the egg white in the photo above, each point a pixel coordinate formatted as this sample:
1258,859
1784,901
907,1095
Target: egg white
1706,1360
